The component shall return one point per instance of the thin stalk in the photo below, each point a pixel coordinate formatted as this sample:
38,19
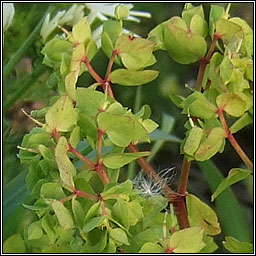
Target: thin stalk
102,172
93,73
80,193
20,52
204,61
110,64
183,183
81,157
233,141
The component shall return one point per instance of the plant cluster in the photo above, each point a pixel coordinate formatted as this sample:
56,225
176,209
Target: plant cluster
85,136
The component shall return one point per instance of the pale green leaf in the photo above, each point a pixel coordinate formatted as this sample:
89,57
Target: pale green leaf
116,160
63,214
235,175
188,240
132,77
202,215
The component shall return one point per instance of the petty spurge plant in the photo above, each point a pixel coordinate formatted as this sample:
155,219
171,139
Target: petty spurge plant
83,138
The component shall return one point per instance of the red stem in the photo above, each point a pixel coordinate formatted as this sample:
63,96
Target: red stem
102,172
81,157
92,71
233,141
204,61
110,64
182,188
80,193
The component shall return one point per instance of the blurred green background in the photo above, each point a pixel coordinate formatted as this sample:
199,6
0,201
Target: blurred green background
173,78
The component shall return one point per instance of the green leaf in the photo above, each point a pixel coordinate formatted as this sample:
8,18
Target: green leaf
235,175
78,212
193,140
87,126
89,101
198,25
191,11
77,57
61,116
224,203
93,211
51,190
14,244
150,125
116,160
119,235
74,137
132,77
81,31
135,52
188,240
47,225
119,208
121,188
216,13
201,215
91,50
235,246
211,144
243,121
53,52
35,230
106,44
203,109
66,168
228,29
151,248
122,12
113,28
247,43
135,212
232,103
210,245
120,129
184,46
63,214
57,249
226,69
93,223
157,36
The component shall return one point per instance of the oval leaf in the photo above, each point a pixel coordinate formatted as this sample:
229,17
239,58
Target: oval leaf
151,248
232,103
235,246
119,235
211,144
66,168
184,46
202,215
115,160
132,77
193,140
62,116
188,240
120,129
64,217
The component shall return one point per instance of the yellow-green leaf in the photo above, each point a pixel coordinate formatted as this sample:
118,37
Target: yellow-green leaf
202,215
